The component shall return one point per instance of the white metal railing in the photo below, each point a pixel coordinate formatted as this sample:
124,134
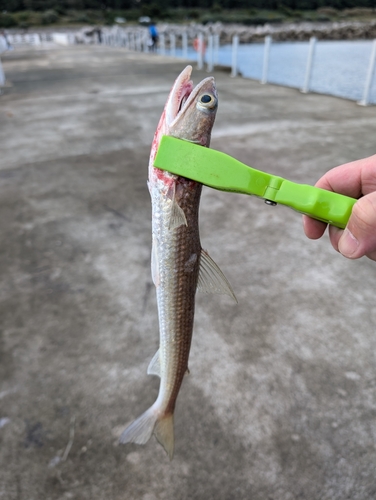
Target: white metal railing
207,52
26,39
211,57
311,53
200,49
309,66
265,66
2,75
182,42
371,70
234,56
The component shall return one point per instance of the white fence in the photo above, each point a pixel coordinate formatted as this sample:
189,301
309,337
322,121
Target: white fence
29,38
207,53
183,43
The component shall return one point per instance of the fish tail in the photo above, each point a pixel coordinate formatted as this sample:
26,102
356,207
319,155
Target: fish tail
164,432
141,430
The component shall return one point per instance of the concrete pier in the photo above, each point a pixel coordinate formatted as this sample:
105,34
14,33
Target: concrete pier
280,403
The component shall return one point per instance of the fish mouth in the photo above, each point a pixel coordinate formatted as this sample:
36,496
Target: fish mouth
183,94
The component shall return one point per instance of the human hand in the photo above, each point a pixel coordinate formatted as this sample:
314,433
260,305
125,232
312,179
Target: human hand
358,180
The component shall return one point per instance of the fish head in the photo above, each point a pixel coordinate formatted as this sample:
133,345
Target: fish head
195,118
189,112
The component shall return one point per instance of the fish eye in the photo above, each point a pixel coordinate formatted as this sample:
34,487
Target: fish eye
206,98
207,101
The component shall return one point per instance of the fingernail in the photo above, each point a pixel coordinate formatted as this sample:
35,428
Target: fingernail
348,244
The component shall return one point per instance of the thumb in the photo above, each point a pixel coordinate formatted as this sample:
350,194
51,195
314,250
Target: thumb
359,237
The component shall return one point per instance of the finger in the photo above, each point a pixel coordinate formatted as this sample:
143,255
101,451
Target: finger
345,179
335,234
313,229
359,237
353,179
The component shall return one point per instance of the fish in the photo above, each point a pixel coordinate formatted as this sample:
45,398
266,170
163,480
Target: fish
179,265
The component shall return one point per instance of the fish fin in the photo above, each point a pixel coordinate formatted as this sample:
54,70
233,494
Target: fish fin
177,216
141,429
154,263
211,279
164,432
154,367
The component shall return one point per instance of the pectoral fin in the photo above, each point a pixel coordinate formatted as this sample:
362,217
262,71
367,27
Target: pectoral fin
211,279
177,216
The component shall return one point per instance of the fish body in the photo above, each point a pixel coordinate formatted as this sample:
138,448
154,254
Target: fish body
178,263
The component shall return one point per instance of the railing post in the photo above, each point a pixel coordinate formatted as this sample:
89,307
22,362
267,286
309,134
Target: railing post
311,54
172,44
145,40
210,53
117,37
216,49
265,68
200,51
184,44
2,75
139,42
371,68
234,56
162,44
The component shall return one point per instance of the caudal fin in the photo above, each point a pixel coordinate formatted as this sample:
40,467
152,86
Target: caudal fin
141,430
164,432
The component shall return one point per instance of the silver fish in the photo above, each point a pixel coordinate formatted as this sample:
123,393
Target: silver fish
179,265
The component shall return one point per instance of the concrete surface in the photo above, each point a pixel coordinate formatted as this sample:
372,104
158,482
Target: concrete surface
281,400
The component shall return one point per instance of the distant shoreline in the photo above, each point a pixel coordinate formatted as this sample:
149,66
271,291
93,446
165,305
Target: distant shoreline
344,30
341,30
